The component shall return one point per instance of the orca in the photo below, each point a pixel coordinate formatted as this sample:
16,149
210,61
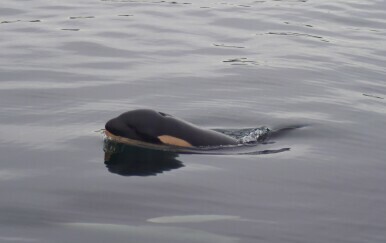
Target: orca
149,126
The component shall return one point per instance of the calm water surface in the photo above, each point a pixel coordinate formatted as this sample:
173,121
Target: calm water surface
66,67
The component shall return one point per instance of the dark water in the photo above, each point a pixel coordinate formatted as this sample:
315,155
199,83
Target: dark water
66,67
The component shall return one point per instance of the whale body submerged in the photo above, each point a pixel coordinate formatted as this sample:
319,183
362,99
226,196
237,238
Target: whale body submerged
149,126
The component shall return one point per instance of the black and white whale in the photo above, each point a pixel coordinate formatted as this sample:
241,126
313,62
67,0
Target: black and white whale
152,127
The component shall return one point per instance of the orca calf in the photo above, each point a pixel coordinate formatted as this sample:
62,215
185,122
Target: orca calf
149,126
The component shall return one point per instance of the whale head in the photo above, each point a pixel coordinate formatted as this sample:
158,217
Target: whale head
142,125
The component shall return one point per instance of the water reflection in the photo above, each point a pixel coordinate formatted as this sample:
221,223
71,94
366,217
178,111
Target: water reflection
128,160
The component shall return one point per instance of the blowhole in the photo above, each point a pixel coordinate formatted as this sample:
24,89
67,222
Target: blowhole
163,114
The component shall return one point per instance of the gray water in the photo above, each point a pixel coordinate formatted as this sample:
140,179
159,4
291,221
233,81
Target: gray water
66,67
